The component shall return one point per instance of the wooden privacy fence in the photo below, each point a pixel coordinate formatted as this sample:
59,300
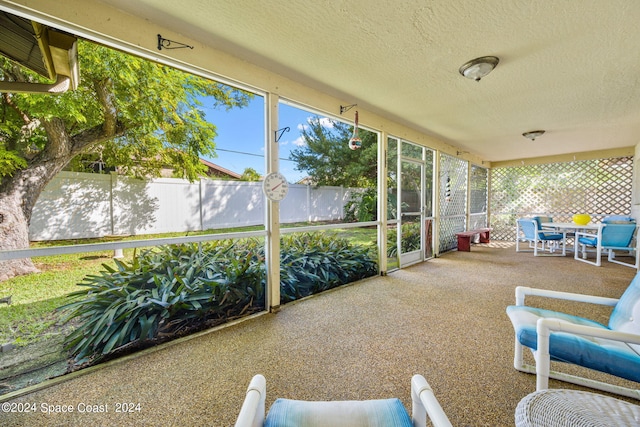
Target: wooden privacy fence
83,205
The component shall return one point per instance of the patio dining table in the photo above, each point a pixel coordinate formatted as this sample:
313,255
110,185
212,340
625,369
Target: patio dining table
569,227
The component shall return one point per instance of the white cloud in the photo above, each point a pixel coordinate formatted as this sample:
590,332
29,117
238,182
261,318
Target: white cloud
300,142
326,122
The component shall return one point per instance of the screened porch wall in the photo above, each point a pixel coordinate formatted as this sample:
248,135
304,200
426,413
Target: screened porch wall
597,187
463,199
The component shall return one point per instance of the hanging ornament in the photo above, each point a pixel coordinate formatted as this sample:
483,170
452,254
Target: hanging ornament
355,142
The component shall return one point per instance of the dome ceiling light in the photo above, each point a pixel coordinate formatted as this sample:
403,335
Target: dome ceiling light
479,67
533,134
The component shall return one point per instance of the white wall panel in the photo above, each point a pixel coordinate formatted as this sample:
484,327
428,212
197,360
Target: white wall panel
326,203
232,204
295,207
72,206
84,205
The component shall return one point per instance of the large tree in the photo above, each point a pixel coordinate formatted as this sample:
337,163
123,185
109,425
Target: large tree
137,114
328,160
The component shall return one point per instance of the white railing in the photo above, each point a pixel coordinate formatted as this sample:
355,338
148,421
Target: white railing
123,244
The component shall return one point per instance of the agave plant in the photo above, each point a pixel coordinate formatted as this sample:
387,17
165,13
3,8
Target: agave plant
314,262
162,291
179,287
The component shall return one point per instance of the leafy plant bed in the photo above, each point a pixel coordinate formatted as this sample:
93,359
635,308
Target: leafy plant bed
175,290
410,239
48,358
36,328
314,262
163,292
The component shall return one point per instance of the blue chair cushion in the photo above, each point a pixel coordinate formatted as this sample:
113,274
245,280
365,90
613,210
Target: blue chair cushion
351,413
626,314
603,355
618,235
613,236
549,236
540,219
589,241
617,219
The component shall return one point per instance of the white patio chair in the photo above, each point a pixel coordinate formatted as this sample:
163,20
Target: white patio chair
527,230
609,238
613,349
371,413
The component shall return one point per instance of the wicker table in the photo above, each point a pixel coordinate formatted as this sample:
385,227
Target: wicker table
569,408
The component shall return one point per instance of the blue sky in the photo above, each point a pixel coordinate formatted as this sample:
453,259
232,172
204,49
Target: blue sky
242,131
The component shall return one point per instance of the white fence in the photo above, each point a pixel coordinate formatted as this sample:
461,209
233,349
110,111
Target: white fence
83,205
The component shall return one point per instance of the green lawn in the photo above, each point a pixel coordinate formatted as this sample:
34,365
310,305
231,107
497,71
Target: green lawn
32,314
35,298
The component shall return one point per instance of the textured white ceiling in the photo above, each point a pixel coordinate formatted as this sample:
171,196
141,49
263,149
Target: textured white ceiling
570,67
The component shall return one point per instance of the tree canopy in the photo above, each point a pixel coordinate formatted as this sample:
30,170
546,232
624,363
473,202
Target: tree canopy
328,160
133,113
250,174
155,112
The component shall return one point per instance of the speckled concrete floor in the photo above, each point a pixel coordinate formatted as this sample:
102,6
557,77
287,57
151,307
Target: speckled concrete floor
444,319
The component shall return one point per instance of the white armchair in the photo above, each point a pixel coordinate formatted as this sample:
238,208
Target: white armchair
613,348
609,238
352,413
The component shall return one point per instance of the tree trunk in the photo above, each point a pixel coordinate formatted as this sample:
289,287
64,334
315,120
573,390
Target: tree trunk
18,196
19,193
14,234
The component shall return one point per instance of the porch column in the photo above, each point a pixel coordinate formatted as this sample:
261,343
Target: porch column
635,193
382,202
272,209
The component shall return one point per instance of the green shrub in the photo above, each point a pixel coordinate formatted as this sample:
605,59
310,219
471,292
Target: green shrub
314,262
163,291
361,206
410,239
175,289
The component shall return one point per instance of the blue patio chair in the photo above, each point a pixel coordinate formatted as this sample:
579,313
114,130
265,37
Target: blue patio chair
353,413
540,219
555,336
527,231
612,235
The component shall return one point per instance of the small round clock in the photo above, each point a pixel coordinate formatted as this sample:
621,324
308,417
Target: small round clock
275,186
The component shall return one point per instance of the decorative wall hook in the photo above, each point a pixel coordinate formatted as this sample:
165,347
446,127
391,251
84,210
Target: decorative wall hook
167,44
345,108
281,132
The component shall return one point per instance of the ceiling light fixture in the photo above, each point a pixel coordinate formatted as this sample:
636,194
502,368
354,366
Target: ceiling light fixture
533,134
479,67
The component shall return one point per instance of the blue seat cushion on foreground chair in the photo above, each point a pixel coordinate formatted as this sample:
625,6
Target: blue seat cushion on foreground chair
345,413
373,413
614,348
593,353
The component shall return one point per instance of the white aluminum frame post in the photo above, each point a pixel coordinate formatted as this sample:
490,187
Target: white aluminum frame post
272,211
